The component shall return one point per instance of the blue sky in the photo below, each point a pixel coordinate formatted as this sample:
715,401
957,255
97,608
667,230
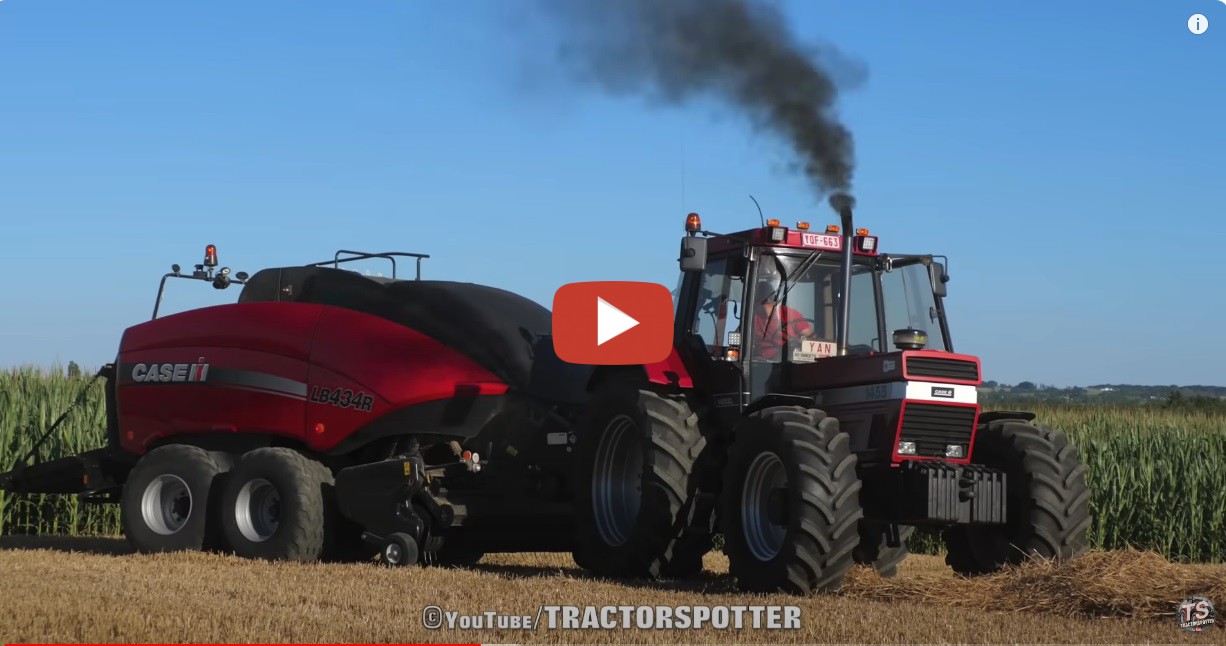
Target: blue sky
1068,157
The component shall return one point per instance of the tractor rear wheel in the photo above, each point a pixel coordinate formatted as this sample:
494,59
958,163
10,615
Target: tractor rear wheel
274,506
874,548
1047,504
791,504
166,500
635,479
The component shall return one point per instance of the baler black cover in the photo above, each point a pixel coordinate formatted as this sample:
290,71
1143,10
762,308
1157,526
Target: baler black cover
502,331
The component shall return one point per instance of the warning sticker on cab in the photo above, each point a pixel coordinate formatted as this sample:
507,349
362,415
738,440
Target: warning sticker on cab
821,241
810,350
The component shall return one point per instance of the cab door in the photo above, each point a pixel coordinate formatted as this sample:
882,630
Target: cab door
709,320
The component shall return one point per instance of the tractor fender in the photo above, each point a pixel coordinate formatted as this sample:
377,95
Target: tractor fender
669,372
777,399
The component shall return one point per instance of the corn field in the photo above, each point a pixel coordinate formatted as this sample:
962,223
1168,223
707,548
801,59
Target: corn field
1158,476
30,401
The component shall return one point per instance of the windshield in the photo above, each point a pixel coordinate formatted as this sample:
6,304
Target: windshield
795,308
797,321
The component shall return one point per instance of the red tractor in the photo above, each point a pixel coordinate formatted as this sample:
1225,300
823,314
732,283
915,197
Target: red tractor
328,414
813,411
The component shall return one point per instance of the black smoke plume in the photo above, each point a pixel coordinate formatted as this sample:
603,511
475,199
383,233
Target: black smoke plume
740,51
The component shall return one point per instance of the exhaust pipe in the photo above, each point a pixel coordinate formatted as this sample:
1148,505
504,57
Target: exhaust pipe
843,204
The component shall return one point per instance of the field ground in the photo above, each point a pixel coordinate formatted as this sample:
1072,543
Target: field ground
82,589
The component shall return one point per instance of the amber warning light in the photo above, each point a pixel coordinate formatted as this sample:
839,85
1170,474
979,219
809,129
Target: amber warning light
693,223
210,256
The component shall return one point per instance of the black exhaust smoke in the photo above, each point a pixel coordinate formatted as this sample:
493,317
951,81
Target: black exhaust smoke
740,51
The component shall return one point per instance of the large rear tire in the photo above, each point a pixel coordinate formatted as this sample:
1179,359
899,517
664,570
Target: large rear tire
791,504
274,506
636,478
1047,501
166,500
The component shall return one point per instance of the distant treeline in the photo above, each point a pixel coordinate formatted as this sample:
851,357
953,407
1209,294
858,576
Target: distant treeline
1173,397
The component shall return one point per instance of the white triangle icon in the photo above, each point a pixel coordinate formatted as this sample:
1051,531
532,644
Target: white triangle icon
610,321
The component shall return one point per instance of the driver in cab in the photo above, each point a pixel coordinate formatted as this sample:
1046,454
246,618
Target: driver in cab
774,324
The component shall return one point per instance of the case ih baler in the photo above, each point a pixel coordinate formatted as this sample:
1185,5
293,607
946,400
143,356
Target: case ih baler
812,410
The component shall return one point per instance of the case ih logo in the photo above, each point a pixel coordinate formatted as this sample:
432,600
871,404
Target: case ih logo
170,372
948,393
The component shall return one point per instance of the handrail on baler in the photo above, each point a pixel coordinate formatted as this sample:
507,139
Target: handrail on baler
362,255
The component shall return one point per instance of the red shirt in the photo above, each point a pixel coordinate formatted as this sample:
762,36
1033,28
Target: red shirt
783,324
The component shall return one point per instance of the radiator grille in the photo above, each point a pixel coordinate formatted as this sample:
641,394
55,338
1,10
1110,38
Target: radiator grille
942,368
933,426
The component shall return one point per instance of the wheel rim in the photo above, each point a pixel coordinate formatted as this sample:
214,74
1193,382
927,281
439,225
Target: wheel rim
258,510
763,535
392,553
166,504
617,481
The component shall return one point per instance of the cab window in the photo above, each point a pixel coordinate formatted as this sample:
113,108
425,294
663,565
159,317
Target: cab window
719,308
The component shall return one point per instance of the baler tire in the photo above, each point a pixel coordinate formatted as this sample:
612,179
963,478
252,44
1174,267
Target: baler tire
664,431
820,506
1047,501
874,549
400,551
184,468
301,531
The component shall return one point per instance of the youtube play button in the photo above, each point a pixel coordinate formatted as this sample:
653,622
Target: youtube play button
613,323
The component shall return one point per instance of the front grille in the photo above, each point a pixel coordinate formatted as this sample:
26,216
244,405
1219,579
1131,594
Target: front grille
942,368
933,426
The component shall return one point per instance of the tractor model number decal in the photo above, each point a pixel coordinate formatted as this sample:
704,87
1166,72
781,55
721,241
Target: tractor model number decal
343,398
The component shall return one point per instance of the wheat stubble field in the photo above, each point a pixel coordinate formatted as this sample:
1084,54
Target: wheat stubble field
94,589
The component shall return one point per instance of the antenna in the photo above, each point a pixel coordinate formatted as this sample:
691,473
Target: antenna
761,218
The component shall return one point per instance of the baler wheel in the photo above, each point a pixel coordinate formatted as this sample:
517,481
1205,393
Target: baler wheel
273,506
791,506
636,478
1047,502
400,550
166,500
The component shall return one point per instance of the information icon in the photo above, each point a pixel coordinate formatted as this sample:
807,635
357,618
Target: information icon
1198,24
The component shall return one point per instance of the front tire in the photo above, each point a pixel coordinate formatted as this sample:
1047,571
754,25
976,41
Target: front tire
1047,501
791,503
274,507
636,475
166,500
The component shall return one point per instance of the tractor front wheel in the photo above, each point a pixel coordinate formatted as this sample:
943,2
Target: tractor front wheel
635,478
1047,503
791,504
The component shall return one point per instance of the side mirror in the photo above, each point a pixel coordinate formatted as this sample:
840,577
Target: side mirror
693,253
936,271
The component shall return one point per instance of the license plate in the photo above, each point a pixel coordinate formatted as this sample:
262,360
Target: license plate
821,241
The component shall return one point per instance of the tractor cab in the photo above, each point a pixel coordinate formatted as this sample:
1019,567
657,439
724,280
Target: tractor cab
766,303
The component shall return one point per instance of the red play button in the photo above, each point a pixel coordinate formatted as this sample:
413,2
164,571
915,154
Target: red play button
613,323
